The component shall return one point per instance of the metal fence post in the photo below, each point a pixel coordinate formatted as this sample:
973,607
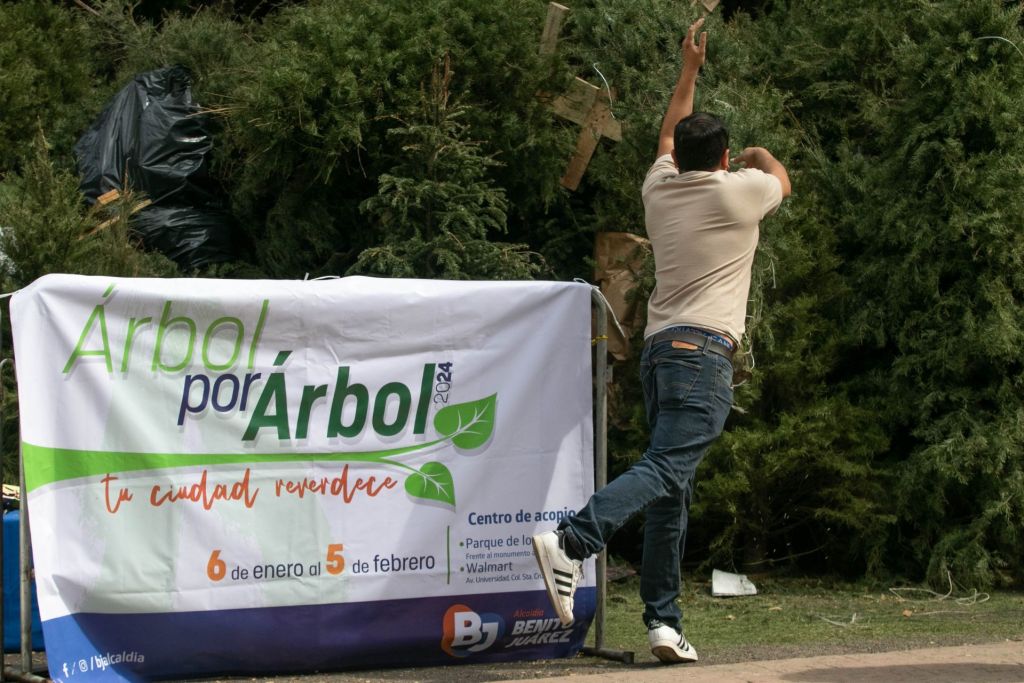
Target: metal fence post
601,377
25,552
24,549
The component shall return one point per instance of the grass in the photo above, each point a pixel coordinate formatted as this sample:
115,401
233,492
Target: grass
800,617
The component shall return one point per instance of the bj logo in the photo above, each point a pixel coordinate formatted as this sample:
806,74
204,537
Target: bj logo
466,632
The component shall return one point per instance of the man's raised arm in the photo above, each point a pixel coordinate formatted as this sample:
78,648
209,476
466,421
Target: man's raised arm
681,105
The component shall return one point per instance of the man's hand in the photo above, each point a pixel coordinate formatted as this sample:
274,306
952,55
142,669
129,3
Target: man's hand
762,160
694,47
754,157
681,105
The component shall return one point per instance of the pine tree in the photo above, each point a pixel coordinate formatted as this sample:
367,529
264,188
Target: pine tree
881,429
48,229
436,210
914,110
46,76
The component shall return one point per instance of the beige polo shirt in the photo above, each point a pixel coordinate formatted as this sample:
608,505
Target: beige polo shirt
703,227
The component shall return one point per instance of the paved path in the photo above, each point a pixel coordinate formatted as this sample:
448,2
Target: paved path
989,663
986,663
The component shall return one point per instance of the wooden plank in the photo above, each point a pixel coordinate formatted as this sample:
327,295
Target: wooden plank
107,197
577,103
583,104
585,147
139,206
586,144
612,129
88,9
552,27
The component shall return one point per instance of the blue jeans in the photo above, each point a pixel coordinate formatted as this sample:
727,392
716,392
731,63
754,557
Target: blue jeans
688,394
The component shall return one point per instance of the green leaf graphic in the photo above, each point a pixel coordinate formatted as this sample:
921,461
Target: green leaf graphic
433,482
468,425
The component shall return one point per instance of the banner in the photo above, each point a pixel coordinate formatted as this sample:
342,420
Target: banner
249,477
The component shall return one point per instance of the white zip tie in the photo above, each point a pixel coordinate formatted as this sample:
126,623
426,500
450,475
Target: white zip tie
608,88
1005,40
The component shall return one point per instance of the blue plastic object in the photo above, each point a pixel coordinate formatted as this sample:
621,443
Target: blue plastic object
12,591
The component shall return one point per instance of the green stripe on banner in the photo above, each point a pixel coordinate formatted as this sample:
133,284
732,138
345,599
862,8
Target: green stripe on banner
44,465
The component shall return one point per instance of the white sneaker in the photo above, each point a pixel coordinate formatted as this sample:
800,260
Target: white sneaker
668,644
561,574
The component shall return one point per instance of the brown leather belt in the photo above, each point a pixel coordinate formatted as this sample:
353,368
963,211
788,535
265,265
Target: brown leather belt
701,341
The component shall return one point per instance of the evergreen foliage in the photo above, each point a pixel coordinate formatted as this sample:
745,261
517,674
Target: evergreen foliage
881,430
435,208
48,229
912,156
45,75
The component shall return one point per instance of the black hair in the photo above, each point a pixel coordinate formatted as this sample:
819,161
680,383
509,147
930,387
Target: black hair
700,141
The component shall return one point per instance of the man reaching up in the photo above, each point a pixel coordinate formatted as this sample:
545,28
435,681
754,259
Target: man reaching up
703,223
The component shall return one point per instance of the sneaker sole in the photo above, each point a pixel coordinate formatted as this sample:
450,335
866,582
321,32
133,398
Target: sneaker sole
671,654
540,553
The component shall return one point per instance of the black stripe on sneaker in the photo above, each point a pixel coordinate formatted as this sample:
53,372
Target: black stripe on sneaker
561,573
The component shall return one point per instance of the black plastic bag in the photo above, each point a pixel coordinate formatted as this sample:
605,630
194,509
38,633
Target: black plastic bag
152,138
190,238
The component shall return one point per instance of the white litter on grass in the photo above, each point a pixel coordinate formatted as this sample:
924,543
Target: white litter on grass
724,584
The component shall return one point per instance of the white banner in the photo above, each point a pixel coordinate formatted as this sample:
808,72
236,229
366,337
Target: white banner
256,476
